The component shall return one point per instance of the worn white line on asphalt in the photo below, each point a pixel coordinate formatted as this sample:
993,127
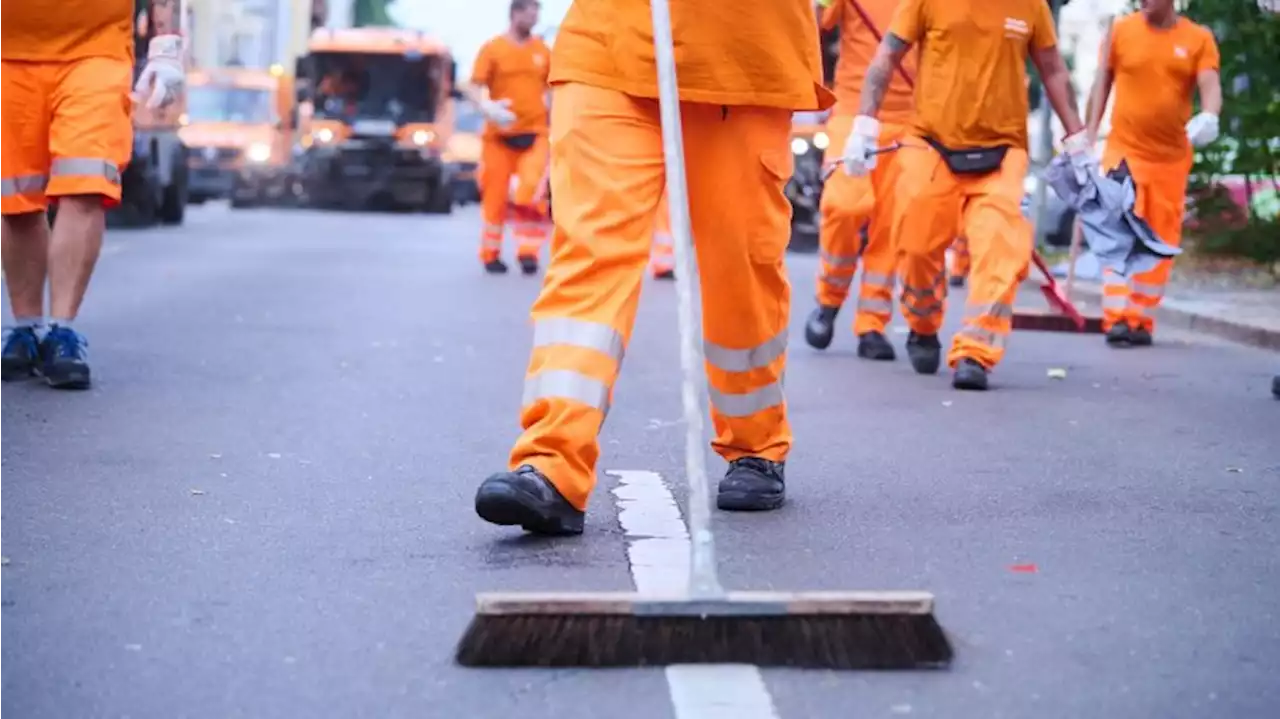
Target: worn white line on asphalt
658,552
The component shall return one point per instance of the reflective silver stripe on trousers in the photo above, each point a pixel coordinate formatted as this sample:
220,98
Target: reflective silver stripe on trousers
840,283
731,360
745,405
1114,302
875,278
877,305
493,229
1154,292
994,310
22,185
85,167
567,384
987,337
579,333
839,260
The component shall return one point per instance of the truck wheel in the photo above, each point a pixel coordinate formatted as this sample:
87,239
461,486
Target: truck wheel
440,202
173,208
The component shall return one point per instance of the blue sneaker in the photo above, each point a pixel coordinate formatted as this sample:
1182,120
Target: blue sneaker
21,353
64,359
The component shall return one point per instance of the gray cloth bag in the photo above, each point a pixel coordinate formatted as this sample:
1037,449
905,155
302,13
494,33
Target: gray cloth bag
1123,242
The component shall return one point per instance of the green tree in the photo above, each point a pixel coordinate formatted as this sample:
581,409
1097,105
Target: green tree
371,13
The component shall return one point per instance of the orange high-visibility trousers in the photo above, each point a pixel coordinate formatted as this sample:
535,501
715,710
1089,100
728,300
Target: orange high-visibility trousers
932,203
607,179
1162,193
849,206
960,260
508,179
663,259
67,130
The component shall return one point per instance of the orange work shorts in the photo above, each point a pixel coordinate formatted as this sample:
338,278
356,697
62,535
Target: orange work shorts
67,130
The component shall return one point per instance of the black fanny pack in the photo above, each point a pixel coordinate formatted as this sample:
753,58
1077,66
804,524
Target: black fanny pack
520,142
970,160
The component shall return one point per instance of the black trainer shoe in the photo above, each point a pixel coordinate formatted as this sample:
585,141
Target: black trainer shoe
1140,337
495,267
1120,335
529,265
21,354
665,275
527,498
873,346
956,281
820,328
64,359
925,353
969,374
752,484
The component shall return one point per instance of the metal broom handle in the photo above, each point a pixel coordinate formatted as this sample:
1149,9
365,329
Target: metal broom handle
703,579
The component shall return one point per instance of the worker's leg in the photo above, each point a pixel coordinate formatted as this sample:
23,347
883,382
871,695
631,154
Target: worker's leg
879,259
497,163
24,168
606,176
847,204
926,214
739,160
958,269
1115,287
1162,190
663,262
530,221
1000,242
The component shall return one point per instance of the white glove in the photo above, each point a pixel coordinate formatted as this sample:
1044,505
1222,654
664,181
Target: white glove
499,112
1079,150
164,75
1203,129
859,155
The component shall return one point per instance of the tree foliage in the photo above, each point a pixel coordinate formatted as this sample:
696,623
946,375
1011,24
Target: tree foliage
371,13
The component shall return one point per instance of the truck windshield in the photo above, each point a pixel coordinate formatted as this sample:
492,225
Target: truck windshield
351,86
224,103
467,118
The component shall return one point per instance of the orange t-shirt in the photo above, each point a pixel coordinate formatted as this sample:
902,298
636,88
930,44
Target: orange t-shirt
972,86
60,30
857,48
1155,75
762,53
517,72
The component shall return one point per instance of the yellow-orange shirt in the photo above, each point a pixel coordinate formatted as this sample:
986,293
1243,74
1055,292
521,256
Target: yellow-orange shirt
516,71
971,90
763,53
60,30
1155,75
857,49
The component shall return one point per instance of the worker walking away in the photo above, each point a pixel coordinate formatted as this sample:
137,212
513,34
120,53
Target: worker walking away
964,162
509,85
743,68
1155,59
958,262
67,135
663,262
857,211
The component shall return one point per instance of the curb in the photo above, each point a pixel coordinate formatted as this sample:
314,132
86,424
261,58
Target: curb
1171,314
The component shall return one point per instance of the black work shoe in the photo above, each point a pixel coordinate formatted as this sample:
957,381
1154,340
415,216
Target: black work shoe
527,498
1140,337
529,265
21,354
495,267
665,275
64,359
969,374
925,353
956,281
820,328
873,346
1120,335
752,484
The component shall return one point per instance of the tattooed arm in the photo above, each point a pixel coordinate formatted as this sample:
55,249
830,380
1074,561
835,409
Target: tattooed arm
891,51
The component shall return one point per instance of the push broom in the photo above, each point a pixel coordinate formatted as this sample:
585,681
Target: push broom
706,623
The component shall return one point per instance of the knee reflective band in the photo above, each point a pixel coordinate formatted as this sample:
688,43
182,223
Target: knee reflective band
745,360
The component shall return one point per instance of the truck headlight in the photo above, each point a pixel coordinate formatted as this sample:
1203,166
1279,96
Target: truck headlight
799,145
422,137
258,152
820,140
323,135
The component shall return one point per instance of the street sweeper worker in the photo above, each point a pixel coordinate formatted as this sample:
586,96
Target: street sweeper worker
662,264
853,204
509,85
964,162
743,69
1156,60
67,135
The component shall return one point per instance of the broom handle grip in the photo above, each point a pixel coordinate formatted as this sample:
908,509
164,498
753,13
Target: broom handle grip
704,581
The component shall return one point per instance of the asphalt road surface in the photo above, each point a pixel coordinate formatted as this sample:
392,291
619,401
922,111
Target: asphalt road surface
263,508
